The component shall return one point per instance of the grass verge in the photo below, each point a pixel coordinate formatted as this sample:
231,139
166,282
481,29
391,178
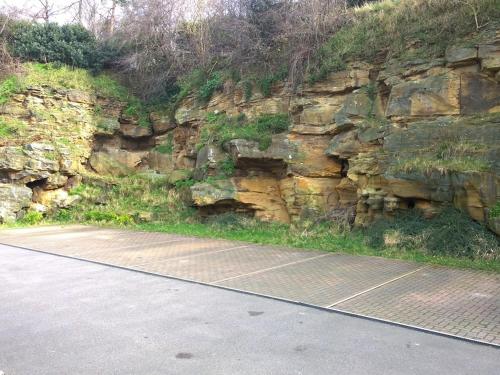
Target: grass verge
149,203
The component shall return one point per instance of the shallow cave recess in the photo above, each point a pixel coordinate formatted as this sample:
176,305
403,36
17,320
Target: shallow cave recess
226,207
37,183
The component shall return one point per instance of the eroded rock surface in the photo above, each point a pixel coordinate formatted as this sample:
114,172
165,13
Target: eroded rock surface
371,140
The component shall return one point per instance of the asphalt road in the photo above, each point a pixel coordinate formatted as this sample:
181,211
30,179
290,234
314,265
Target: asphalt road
64,316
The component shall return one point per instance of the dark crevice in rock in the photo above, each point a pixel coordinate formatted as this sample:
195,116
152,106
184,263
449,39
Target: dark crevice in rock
411,204
345,167
37,183
265,167
226,206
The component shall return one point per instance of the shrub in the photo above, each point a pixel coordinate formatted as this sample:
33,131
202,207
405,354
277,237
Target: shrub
136,108
449,233
230,221
63,216
184,184
127,198
72,45
226,167
215,82
247,90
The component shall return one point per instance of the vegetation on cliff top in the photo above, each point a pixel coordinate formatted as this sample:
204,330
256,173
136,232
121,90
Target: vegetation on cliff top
166,50
71,44
64,77
405,30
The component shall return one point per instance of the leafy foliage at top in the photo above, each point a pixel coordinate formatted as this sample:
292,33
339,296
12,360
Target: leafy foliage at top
72,45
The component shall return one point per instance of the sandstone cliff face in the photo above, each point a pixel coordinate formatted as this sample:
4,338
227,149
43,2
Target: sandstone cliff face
370,140
50,136
367,142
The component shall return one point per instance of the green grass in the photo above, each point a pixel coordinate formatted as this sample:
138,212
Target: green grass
447,155
221,128
125,200
32,218
8,87
108,216
283,235
495,211
11,127
56,76
321,238
427,164
64,77
148,203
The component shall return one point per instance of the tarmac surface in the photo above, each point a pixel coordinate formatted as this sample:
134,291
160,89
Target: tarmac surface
65,316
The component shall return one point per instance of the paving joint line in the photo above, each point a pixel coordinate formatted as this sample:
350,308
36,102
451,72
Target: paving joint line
377,286
275,298
148,244
109,250
51,233
190,256
270,268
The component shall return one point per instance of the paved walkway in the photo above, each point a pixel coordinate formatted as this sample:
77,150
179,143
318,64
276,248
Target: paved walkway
455,302
64,316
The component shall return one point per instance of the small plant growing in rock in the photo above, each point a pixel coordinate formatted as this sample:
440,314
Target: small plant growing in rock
214,83
221,128
8,87
32,218
226,167
166,148
495,211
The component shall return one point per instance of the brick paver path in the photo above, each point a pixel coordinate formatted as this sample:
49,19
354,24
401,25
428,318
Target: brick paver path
456,302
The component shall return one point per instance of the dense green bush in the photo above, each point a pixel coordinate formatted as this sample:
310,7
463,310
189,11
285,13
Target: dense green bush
451,233
72,45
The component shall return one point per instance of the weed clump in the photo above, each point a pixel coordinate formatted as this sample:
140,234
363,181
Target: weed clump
450,233
221,128
8,87
32,218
